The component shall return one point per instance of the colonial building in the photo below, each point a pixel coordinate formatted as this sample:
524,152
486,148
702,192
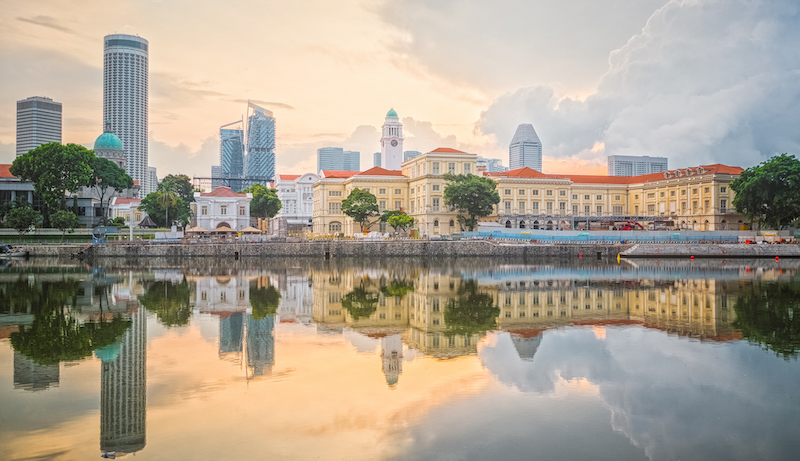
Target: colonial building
127,209
222,207
297,199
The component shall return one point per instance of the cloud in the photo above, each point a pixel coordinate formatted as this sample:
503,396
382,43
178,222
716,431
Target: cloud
47,21
182,159
705,81
8,152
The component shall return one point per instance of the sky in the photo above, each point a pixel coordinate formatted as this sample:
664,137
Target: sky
697,81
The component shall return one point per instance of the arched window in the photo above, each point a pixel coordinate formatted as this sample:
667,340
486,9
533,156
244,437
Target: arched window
723,225
508,224
522,224
335,226
435,223
452,223
536,224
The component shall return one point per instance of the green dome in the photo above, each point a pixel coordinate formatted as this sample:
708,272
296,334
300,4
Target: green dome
108,353
108,141
391,113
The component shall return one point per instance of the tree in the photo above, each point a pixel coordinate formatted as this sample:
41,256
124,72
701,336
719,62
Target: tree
179,210
64,221
180,184
22,219
769,192
401,221
8,206
264,300
360,205
360,302
396,288
265,203
471,311
767,314
108,178
473,196
166,199
55,169
169,301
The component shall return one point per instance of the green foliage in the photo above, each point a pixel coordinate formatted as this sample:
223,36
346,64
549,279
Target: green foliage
397,288
769,192
118,221
472,196
8,206
401,222
22,219
360,302
55,335
264,300
153,206
180,184
471,311
64,221
107,178
768,314
360,205
265,203
54,170
169,301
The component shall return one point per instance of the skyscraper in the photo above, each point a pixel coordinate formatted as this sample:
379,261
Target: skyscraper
376,159
409,154
38,122
125,84
630,165
260,160
392,142
231,155
336,158
525,149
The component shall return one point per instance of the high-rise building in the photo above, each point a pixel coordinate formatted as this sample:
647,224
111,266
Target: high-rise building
525,149
376,159
152,179
217,175
392,142
336,158
260,345
125,86
231,155
409,154
630,165
490,165
260,159
38,122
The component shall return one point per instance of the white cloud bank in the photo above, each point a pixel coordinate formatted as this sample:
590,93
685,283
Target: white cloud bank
705,81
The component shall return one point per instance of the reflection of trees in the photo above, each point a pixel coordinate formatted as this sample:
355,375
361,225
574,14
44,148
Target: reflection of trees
360,302
169,301
264,300
769,314
471,312
55,335
397,287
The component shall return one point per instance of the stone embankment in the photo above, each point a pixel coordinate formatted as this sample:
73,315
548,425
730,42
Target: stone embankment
718,250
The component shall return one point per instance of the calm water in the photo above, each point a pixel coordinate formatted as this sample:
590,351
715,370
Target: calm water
400,359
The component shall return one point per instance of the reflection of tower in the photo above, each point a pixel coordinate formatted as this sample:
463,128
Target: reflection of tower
526,347
230,335
123,392
392,355
260,344
31,376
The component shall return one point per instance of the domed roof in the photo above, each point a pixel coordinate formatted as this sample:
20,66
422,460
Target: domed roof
108,353
391,113
108,140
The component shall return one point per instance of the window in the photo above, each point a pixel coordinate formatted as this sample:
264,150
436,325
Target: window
435,203
683,192
534,192
723,205
334,207
651,195
223,209
398,191
562,206
651,208
586,197
382,205
706,206
521,192
694,191
574,196
599,197
436,188
397,205
599,209
241,211
672,193
507,205
586,210
574,209
636,209
435,168
381,191
334,193
521,207
549,192
535,206
723,190
617,198
451,168
706,190
617,210
662,194
467,168
507,192
636,197
549,207
435,223
452,223
335,226
562,193
204,210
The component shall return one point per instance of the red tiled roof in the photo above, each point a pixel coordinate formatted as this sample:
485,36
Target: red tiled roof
447,150
338,173
289,177
526,172
4,171
378,171
222,191
125,201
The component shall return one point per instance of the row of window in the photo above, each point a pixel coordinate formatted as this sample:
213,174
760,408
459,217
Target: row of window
223,210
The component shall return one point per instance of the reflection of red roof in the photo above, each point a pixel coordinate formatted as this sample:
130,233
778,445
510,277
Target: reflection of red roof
607,322
526,172
125,201
222,191
288,321
378,171
447,150
527,332
289,177
338,173
4,171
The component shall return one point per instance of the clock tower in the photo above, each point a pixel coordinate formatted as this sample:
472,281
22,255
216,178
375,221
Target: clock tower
392,142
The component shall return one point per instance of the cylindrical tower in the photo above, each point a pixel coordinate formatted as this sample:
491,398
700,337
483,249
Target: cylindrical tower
125,81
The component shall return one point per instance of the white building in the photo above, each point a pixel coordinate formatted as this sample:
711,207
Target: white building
296,193
630,165
392,142
127,209
223,207
38,122
125,86
525,149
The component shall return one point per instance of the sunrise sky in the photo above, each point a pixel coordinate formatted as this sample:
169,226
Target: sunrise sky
698,81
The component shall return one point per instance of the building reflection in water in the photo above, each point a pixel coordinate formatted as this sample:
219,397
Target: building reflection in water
31,376
260,340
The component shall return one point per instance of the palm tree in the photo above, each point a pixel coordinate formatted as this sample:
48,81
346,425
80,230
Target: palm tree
167,199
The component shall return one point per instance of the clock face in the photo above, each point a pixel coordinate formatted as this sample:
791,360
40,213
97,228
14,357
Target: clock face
394,143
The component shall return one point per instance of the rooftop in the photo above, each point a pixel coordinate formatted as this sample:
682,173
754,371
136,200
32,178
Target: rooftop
716,168
338,173
289,177
4,171
125,201
222,191
378,171
447,150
